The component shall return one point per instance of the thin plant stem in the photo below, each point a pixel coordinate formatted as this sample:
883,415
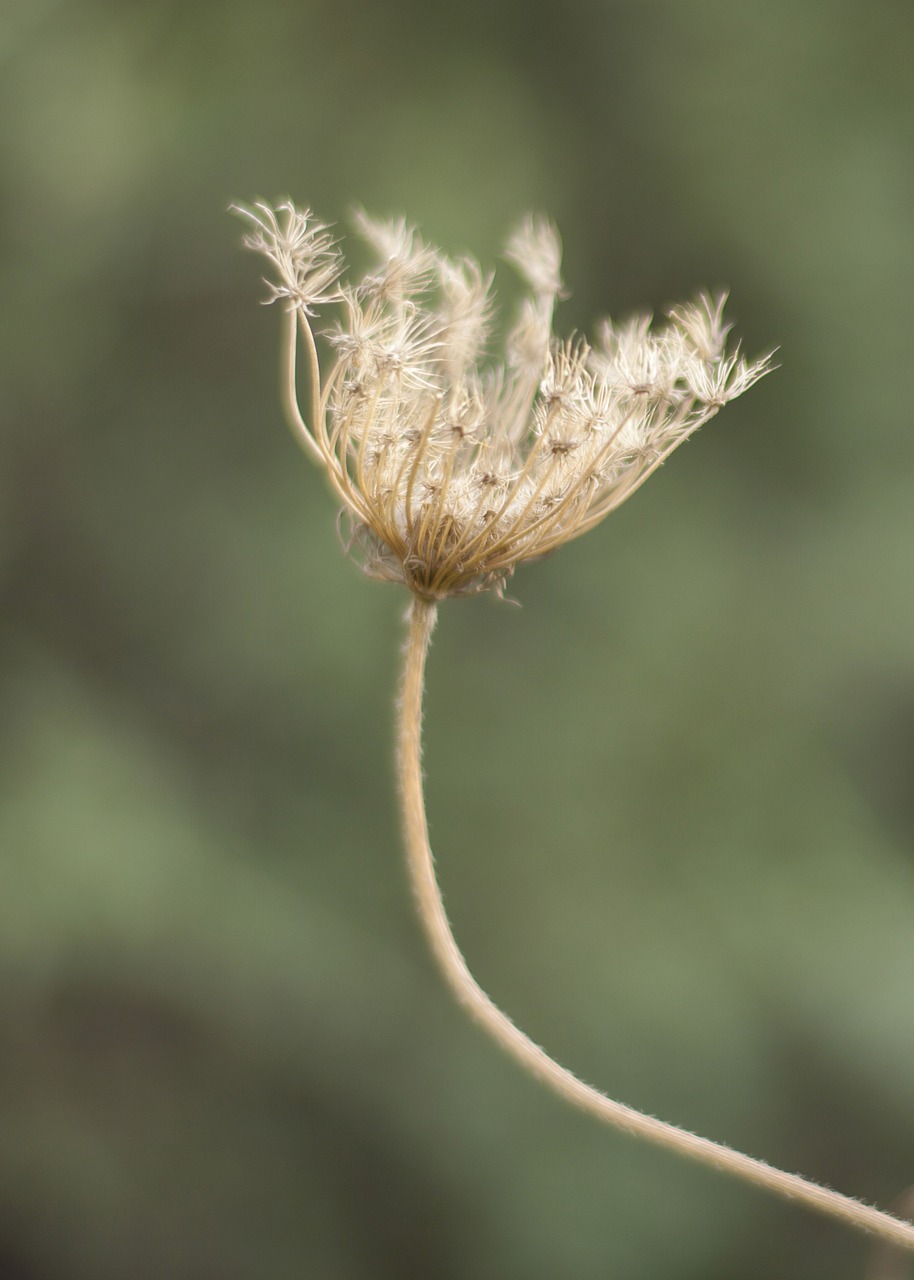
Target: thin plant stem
887,1262
421,622
297,424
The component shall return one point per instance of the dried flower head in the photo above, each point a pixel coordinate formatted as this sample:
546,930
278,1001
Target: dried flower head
452,470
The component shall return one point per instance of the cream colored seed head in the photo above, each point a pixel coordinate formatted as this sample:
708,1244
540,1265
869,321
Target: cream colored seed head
452,472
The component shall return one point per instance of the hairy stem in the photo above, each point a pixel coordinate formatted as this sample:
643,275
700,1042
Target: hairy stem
531,1057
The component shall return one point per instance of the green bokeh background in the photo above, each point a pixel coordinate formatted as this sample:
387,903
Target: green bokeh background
672,796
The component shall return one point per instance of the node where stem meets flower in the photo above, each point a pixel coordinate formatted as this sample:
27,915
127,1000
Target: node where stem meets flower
453,470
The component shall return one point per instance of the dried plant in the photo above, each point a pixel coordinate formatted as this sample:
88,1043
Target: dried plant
452,470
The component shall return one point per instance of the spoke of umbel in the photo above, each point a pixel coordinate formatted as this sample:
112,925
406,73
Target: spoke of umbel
530,1056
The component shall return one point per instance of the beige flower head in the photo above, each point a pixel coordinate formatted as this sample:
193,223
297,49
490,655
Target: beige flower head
453,469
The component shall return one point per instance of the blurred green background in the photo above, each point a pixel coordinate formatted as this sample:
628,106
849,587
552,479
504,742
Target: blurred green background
672,796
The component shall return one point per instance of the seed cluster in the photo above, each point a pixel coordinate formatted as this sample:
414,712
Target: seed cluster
452,468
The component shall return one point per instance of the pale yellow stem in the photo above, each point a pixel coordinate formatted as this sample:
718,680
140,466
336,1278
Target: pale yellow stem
530,1056
300,429
887,1261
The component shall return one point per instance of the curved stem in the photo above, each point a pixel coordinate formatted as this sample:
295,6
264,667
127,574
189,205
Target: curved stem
298,426
503,1031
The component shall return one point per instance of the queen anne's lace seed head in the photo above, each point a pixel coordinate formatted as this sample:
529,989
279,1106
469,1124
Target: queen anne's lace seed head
451,473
